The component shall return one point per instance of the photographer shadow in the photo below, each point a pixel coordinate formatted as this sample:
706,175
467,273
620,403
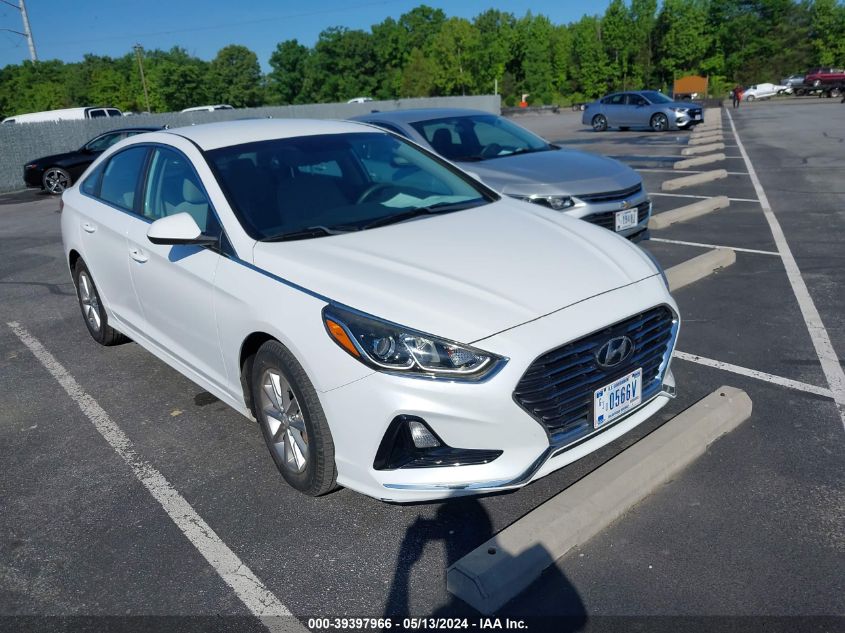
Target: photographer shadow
461,525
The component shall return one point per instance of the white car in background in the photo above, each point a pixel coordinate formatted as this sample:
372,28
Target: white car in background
764,91
394,325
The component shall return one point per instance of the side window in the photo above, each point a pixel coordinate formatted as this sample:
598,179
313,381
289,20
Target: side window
114,112
173,187
96,114
102,143
636,100
120,177
91,184
617,99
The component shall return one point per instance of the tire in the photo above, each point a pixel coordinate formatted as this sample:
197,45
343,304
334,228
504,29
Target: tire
599,123
659,122
93,312
55,180
300,443
750,98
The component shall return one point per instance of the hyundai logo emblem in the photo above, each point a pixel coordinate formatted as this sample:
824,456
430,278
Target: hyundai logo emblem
625,204
615,351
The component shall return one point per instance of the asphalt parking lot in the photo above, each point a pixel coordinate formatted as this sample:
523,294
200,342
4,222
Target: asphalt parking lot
755,528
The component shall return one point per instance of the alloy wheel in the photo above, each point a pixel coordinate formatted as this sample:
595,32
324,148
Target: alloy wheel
659,123
90,302
285,421
56,180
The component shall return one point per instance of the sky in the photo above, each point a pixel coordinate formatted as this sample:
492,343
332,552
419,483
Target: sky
67,30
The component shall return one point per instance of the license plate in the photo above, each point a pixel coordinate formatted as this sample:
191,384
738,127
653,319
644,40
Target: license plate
617,398
626,219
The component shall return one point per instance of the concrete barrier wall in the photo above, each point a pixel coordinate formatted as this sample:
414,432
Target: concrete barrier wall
23,142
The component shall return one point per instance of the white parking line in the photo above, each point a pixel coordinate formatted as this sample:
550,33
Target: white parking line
687,171
753,373
699,244
688,195
258,599
818,334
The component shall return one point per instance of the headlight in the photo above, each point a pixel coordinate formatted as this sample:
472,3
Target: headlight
389,347
558,203
680,110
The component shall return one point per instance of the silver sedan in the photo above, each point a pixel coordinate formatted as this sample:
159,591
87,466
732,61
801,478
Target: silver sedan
520,164
646,109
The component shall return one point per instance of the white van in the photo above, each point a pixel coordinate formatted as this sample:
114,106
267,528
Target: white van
209,108
68,114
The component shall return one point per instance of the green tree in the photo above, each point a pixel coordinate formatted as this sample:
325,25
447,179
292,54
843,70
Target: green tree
828,32
616,34
234,77
342,66
589,58
455,56
418,76
496,36
287,77
683,38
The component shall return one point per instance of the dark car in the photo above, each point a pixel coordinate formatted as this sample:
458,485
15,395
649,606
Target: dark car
58,172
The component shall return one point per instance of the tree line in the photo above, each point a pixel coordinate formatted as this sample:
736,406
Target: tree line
635,44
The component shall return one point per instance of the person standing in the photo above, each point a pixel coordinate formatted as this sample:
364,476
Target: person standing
736,94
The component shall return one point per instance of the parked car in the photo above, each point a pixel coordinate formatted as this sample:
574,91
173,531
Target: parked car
360,100
764,91
394,325
645,109
67,114
795,82
824,77
57,172
209,108
522,165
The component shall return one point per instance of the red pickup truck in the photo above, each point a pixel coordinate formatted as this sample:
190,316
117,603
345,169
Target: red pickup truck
818,77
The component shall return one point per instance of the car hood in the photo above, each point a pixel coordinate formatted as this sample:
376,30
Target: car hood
54,158
560,171
464,275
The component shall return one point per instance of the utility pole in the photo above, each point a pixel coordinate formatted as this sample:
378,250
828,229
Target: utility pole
27,32
138,49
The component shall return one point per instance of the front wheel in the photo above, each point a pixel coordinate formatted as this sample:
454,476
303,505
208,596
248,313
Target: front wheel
659,122
292,421
599,123
56,180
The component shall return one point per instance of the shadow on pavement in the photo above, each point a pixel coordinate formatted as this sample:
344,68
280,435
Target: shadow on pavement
461,525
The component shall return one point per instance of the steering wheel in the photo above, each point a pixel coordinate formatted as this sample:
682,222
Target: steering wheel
373,188
494,149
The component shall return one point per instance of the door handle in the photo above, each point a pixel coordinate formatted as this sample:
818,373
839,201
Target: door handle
88,227
138,255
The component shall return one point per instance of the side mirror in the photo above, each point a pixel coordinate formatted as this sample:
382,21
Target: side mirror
178,229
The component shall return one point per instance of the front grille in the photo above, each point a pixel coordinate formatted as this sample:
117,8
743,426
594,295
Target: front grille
607,219
557,389
611,196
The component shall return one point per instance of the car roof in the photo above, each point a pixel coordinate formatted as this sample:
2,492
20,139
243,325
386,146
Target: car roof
140,128
415,115
210,136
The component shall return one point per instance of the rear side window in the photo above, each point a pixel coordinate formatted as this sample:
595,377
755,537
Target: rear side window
120,177
114,112
91,184
96,114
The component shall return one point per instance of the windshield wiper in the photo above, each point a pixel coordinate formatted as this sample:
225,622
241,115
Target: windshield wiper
304,234
434,209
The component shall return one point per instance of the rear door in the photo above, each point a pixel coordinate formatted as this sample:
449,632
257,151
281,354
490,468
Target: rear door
111,193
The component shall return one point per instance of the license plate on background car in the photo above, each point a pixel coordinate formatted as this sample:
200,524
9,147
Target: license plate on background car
626,219
617,398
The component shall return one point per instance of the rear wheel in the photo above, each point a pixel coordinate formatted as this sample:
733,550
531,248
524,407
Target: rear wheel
750,98
599,123
93,312
56,180
292,421
659,122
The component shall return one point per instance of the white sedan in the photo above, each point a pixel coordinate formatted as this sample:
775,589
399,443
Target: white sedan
764,91
392,324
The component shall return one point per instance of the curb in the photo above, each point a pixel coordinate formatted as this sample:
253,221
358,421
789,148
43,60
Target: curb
701,160
688,212
699,267
702,149
694,179
705,139
497,571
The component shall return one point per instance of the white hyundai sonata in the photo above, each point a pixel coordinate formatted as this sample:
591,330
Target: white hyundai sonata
392,324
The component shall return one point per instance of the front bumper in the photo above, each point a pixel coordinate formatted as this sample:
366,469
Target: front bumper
604,214
483,415
682,120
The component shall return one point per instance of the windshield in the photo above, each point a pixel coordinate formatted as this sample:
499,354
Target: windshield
310,186
656,97
478,137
